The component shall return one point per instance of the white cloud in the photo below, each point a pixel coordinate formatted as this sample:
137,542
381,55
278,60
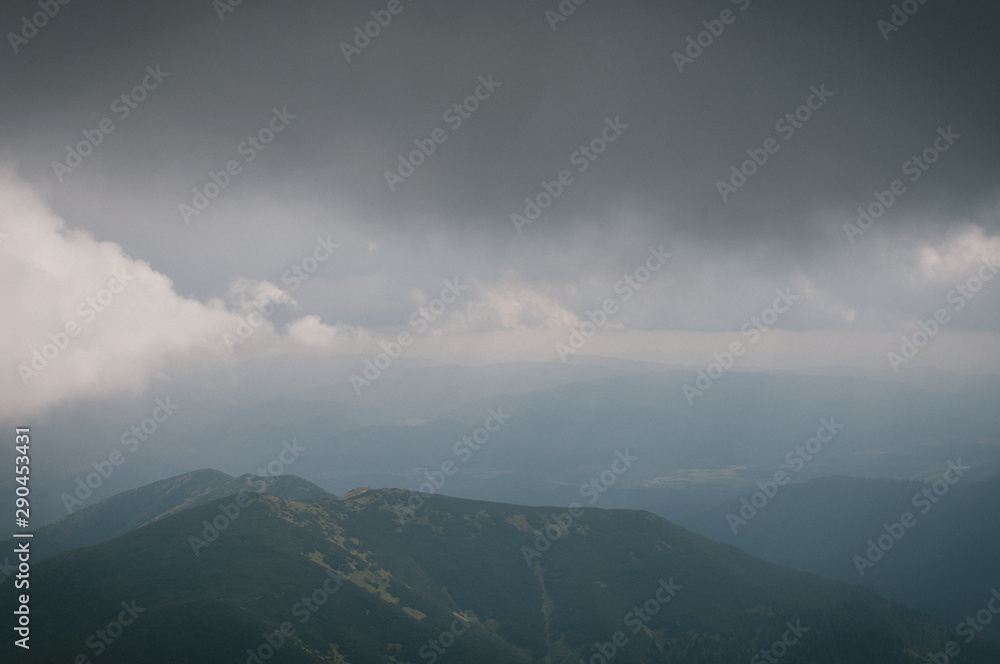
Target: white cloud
82,319
509,306
310,333
958,255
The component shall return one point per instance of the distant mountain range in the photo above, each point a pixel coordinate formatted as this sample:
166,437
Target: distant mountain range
566,422
944,564
302,576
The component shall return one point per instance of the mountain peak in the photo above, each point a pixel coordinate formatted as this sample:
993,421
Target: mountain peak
354,493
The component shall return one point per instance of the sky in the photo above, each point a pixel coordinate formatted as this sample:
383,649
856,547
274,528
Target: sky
201,184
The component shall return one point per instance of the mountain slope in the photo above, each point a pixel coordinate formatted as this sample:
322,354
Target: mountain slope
452,583
821,525
137,507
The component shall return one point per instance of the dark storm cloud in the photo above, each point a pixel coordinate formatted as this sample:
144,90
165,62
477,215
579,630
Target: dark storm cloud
558,89
607,59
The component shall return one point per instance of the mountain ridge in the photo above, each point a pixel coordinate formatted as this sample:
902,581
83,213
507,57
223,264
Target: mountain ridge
396,589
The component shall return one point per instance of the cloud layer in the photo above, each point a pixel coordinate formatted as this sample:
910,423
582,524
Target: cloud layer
255,273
